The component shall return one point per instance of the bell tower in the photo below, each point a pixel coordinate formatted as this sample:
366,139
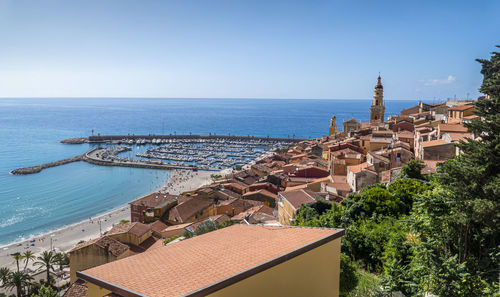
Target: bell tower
333,126
377,110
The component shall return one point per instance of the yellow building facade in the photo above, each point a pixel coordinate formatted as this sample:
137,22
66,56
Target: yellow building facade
294,278
93,255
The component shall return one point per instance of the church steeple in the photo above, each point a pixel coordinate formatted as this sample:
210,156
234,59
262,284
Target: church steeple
333,126
377,109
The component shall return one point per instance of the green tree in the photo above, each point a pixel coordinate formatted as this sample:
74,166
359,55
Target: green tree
46,291
18,280
349,276
47,260
413,169
28,256
4,276
61,259
372,200
17,257
458,222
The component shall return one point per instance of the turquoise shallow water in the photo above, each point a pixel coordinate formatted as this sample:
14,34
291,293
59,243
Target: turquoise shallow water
31,129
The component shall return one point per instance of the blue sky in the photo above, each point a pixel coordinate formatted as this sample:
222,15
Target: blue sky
249,49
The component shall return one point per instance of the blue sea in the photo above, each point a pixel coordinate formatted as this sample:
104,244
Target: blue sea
31,129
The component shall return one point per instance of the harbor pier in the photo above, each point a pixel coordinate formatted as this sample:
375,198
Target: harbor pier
150,137
187,152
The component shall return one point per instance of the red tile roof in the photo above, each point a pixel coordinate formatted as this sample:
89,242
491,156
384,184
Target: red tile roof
262,192
434,143
115,247
452,128
188,209
154,199
77,289
358,168
202,262
461,107
299,197
158,226
136,228
256,209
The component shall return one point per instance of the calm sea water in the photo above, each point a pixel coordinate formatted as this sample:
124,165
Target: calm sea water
31,129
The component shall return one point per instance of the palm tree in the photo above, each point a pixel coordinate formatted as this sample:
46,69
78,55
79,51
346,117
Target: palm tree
18,280
47,260
4,276
62,259
18,257
28,256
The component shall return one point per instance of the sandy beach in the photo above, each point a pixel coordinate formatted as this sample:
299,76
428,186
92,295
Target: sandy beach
66,238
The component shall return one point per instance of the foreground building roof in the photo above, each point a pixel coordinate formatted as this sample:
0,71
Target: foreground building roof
209,262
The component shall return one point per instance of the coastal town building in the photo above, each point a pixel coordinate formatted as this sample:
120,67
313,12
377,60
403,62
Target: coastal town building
290,202
151,207
234,206
174,269
456,114
264,196
436,150
251,212
191,210
360,176
350,125
94,253
377,110
119,242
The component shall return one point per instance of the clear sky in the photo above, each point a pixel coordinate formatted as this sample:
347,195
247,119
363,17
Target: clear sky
249,49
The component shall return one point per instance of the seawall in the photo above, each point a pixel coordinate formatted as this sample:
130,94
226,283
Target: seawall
107,138
36,169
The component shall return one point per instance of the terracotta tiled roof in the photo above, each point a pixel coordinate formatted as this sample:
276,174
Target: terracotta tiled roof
434,143
115,247
452,128
177,227
259,217
240,203
256,209
136,228
181,268
226,194
299,197
458,136
358,168
154,199
236,186
158,226
405,134
380,139
262,192
77,289
461,107
188,209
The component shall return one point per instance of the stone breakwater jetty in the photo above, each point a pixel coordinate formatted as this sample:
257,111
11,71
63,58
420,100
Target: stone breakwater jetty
36,169
95,156
149,138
